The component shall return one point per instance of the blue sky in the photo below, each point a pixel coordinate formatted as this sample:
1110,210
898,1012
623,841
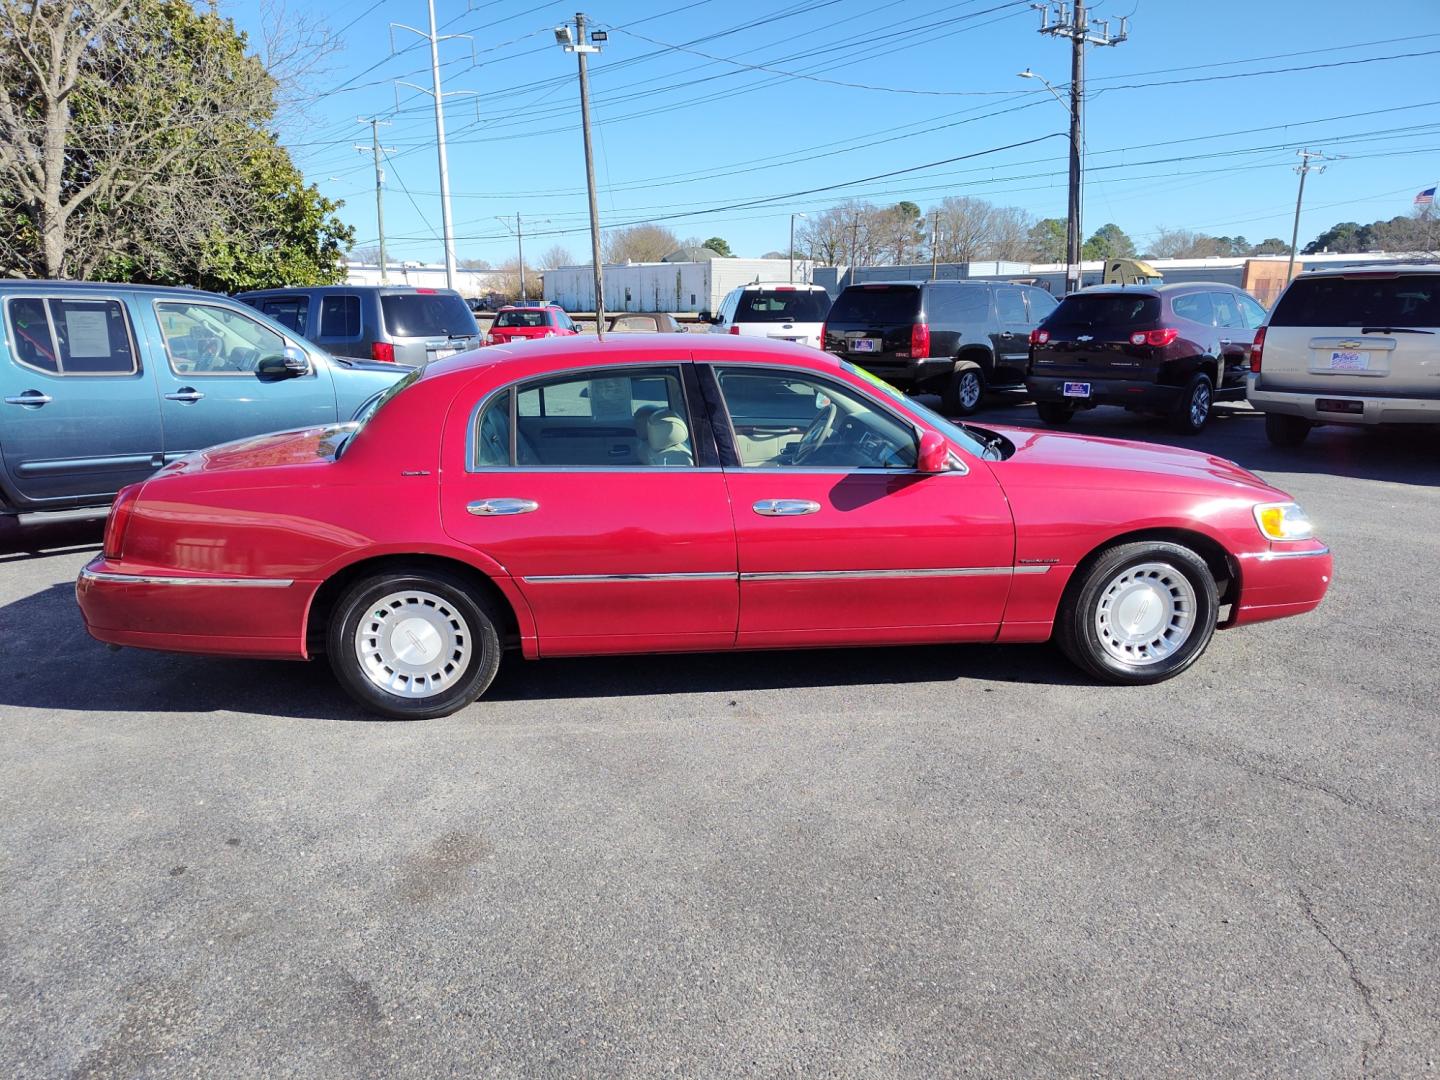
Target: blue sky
1169,143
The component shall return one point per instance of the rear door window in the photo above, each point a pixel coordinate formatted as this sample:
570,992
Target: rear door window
289,311
340,317
1400,300
1107,311
426,315
72,337
1194,306
866,305
1010,305
782,305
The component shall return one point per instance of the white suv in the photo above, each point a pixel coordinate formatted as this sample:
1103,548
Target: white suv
779,312
1349,347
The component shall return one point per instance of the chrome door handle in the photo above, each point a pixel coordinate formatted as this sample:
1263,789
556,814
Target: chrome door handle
1226,341
32,398
785,507
185,393
498,507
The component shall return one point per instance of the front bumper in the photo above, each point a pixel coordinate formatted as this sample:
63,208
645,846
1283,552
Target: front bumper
1376,408
153,609
1277,580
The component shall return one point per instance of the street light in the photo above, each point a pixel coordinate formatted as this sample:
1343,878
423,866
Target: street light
1073,233
792,246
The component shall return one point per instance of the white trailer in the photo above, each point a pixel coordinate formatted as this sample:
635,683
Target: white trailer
665,286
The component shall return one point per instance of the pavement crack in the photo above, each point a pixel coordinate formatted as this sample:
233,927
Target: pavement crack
1367,996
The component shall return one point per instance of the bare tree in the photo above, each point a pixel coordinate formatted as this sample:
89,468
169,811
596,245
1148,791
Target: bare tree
113,116
1182,244
967,228
557,255
1010,234
638,243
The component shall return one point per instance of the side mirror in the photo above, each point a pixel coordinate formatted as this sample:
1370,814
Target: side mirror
934,453
288,365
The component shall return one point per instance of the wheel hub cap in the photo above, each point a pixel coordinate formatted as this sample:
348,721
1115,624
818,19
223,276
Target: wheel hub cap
413,644
1145,614
969,388
1200,405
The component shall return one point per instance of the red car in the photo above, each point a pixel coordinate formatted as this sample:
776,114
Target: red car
661,493
522,322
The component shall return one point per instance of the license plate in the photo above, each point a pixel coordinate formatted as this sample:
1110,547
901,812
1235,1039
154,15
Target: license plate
865,344
1348,360
1076,389
441,354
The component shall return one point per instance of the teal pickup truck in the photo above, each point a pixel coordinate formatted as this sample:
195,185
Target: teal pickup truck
102,384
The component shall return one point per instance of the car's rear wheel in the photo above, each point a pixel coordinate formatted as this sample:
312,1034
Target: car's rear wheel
1192,412
1287,431
1055,413
964,391
411,644
1142,613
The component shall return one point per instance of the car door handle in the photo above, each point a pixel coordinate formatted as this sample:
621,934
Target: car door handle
1007,334
32,398
1226,341
785,507
185,393
499,507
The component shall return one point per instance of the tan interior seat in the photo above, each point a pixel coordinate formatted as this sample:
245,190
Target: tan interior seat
667,439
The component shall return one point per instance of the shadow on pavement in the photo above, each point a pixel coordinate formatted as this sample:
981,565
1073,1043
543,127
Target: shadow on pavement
19,542
48,661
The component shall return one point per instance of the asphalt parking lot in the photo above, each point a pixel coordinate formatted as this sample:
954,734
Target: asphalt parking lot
898,862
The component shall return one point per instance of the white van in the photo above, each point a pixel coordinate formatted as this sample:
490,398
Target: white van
1349,346
778,312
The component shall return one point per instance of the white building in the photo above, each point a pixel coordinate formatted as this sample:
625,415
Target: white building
424,276
666,286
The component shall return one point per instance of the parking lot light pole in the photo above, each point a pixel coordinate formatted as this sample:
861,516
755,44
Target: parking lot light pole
582,47
792,246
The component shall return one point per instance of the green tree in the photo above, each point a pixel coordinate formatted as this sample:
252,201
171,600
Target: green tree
1271,246
719,247
1046,240
1109,242
1346,237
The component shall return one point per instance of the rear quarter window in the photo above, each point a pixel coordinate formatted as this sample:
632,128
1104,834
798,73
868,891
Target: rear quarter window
1411,300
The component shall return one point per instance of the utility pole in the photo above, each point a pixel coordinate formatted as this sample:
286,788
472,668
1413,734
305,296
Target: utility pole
1075,25
792,246
582,46
376,149
934,244
1306,156
854,244
520,245
447,226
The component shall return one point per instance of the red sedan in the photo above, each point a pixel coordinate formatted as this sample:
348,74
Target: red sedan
523,322
663,493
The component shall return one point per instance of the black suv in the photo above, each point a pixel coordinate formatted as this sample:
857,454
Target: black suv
1167,349
954,338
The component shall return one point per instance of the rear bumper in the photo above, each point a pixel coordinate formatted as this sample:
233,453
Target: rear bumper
1282,580
256,617
1136,392
1376,408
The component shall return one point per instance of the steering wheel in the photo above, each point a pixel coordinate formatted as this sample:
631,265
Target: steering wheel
815,435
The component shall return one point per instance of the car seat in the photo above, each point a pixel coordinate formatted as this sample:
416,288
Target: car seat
668,440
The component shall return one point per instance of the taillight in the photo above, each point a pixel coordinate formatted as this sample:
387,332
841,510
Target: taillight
119,521
382,351
1039,337
920,340
1256,350
735,329
1158,338
823,327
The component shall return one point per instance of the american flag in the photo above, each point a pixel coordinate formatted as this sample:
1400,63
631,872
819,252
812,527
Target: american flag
1426,197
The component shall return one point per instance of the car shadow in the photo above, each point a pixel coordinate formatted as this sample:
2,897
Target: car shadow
49,662
29,541
1397,455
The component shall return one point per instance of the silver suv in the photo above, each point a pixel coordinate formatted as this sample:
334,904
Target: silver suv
1349,347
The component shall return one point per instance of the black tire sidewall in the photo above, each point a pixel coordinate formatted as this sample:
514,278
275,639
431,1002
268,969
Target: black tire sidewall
357,600
952,398
1054,413
1076,632
1183,423
1285,430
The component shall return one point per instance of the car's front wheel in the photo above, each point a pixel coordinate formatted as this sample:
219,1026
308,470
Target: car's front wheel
412,644
1141,613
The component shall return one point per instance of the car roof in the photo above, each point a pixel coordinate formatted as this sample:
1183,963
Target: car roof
783,286
30,284
291,290
1158,290
1373,271
930,283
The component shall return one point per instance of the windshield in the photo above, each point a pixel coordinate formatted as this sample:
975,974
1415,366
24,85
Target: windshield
1360,301
521,318
873,304
956,433
427,315
782,305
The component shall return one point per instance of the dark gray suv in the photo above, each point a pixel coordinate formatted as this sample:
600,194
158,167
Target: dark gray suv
393,323
952,338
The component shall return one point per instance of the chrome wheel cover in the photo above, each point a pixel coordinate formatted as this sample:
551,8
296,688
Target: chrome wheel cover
969,389
413,644
1200,404
1145,614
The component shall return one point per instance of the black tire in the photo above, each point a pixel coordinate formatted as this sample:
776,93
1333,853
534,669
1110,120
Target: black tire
965,391
1078,624
1197,402
1286,431
1055,413
469,614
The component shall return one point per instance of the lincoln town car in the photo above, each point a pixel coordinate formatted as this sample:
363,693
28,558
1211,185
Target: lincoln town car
668,493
